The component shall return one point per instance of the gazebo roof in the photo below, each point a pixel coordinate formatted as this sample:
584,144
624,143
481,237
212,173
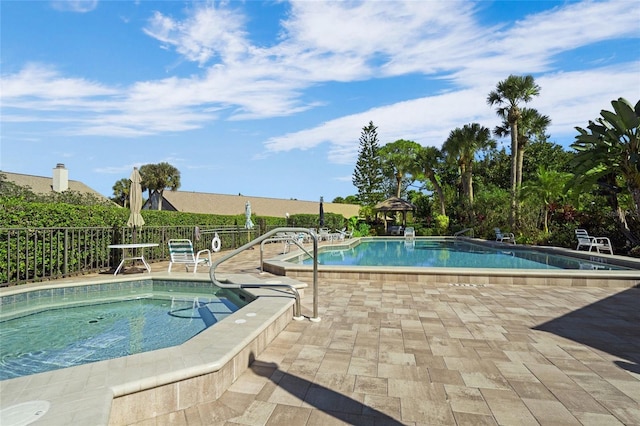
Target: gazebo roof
394,204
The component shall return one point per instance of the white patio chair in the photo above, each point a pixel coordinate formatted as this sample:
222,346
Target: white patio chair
181,251
324,234
599,243
504,237
344,234
409,232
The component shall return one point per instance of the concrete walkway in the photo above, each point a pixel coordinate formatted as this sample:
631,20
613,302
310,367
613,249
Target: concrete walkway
392,353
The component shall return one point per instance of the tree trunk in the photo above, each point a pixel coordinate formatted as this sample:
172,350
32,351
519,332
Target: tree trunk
621,217
520,166
546,218
470,184
514,168
438,189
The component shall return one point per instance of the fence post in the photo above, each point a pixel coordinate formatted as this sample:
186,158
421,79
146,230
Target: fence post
65,260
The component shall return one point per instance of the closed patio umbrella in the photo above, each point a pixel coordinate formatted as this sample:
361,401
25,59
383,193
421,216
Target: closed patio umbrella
321,213
135,202
247,214
248,224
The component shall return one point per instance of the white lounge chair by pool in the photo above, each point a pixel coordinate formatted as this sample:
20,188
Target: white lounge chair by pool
599,243
504,237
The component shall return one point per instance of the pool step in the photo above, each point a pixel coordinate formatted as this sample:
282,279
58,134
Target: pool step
207,316
213,312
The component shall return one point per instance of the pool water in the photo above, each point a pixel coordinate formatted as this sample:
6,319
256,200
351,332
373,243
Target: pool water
448,254
68,336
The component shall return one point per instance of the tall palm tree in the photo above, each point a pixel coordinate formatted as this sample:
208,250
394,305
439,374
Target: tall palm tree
427,162
508,96
462,145
158,177
532,126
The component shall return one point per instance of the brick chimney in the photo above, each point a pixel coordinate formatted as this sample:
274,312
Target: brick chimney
60,178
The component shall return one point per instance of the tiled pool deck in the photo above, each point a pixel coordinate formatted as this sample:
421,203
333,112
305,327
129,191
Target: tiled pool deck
394,352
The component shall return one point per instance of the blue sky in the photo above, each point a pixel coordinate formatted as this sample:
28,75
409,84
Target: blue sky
269,98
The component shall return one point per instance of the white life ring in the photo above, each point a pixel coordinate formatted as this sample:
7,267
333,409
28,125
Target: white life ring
216,243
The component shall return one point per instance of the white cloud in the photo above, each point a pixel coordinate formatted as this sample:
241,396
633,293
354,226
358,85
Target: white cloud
79,6
36,81
208,32
367,40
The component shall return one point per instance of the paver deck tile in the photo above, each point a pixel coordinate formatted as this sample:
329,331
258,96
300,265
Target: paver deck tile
465,399
531,390
507,407
286,415
551,413
473,419
591,419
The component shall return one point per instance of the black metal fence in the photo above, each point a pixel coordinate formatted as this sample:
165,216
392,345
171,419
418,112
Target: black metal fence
37,254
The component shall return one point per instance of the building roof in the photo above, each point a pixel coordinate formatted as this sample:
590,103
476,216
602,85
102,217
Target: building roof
44,185
221,204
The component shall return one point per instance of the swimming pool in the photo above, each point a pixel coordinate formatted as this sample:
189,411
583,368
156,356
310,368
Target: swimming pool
133,388
445,253
594,270
51,330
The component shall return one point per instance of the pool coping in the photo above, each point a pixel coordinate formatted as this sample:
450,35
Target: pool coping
469,276
142,386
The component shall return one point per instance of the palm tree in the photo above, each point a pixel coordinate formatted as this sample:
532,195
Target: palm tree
427,162
399,159
609,156
532,127
157,177
508,96
462,145
121,192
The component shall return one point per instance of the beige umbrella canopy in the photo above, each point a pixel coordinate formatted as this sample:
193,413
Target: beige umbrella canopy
135,200
393,205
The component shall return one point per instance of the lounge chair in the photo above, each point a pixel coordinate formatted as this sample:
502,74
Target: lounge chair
289,238
504,237
344,234
395,230
409,232
599,243
324,234
181,251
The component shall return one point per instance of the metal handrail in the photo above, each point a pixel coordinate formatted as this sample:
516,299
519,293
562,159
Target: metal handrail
464,231
287,239
260,239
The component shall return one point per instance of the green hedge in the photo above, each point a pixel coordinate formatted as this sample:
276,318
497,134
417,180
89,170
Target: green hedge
18,213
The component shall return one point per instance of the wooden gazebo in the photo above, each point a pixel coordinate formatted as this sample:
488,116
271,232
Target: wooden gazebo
394,205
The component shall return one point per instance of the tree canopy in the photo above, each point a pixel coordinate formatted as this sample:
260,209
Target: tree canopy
158,177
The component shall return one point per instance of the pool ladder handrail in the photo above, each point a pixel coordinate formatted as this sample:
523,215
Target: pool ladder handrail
287,239
464,231
297,315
